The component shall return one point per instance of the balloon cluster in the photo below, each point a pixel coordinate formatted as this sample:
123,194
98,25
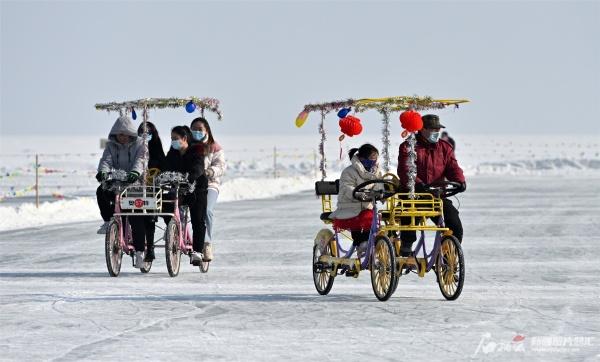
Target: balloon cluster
349,125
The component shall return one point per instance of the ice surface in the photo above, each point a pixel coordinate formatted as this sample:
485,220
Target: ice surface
531,271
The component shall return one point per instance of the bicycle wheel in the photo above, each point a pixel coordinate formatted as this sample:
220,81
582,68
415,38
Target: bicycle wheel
172,251
450,268
113,250
383,268
321,276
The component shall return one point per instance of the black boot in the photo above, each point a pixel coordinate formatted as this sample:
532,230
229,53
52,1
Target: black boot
149,255
406,248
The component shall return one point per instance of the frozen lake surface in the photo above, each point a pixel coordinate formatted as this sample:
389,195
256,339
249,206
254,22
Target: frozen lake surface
532,289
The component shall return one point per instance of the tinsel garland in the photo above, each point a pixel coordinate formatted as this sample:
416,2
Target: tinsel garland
412,164
170,177
389,104
211,104
323,164
385,139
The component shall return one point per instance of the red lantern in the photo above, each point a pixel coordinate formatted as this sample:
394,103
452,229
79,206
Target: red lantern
350,126
411,120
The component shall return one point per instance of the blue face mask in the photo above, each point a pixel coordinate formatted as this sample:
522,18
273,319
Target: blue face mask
368,164
198,135
176,144
148,136
434,137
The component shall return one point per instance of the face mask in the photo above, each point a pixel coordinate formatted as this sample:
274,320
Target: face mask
368,164
198,135
148,136
176,144
434,137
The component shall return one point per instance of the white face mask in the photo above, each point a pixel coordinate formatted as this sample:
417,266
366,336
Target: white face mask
434,137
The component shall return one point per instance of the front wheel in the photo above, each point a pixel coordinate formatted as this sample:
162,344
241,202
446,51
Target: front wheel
321,273
383,268
450,268
172,251
113,250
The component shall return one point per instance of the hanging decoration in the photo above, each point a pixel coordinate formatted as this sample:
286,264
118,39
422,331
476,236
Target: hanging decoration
384,106
133,114
385,139
412,164
323,163
350,126
301,118
210,104
190,107
411,121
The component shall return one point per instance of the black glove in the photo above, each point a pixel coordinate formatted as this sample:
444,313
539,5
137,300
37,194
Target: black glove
132,176
463,187
101,176
421,187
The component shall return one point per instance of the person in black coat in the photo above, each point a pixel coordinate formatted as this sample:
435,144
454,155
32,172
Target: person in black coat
145,226
185,157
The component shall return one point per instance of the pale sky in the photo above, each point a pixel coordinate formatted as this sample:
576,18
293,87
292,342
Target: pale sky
527,66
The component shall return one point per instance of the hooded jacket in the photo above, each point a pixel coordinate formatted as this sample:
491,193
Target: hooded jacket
352,176
435,162
128,157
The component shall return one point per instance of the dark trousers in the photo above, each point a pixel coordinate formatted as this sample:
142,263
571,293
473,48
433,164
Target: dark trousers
359,236
451,221
197,205
142,230
106,203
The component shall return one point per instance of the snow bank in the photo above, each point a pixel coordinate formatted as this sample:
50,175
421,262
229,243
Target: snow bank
86,209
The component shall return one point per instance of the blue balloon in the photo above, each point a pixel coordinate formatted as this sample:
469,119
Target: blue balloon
190,107
133,114
344,112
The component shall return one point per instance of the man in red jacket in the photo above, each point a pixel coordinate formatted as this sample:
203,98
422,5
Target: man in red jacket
435,162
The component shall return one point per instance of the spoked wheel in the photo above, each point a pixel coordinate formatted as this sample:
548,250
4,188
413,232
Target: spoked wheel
450,268
204,266
172,251
383,268
322,277
112,250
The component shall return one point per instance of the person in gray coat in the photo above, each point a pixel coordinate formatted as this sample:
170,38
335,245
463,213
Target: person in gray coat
124,151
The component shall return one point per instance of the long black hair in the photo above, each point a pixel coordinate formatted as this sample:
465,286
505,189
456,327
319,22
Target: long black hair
364,151
155,147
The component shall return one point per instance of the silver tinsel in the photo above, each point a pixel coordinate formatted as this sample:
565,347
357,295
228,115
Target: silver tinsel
169,177
146,154
323,164
412,164
385,139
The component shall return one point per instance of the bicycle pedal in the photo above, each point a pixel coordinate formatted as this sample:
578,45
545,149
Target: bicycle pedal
352,273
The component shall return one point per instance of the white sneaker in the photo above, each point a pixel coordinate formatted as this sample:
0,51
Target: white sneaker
207,252
139,259
362,249
103,228
195,258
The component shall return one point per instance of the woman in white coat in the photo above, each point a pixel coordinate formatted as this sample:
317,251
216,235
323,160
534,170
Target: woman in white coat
352,214
214,165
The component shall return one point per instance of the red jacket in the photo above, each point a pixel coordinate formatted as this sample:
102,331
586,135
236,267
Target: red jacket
435,162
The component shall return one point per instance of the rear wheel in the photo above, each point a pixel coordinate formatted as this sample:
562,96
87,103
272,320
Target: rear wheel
321,274
112,249
383,268
450,268
172,251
